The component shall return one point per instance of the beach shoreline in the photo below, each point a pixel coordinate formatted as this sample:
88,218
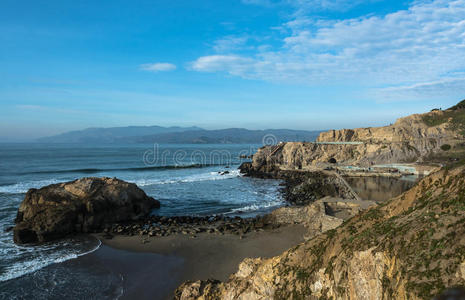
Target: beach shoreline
154,269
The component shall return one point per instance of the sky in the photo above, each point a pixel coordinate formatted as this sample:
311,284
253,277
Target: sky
257,64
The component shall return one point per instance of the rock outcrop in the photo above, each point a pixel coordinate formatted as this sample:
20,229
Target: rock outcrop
411,247
320,216
78,206
409,139
303,187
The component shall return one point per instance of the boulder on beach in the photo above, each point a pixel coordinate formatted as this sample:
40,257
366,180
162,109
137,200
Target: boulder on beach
79,206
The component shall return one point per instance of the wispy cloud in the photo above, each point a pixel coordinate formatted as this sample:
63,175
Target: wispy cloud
303,6
334,5
235,65
434,89
424,43
158,67
230,43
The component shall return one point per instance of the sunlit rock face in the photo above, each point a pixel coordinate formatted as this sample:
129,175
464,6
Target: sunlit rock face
78,206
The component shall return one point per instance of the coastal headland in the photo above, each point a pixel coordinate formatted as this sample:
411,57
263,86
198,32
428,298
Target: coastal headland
327,241
409,247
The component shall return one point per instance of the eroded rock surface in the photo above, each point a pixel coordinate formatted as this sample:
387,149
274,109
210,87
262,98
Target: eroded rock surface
414,138
411,247
78,206
303,187
320,216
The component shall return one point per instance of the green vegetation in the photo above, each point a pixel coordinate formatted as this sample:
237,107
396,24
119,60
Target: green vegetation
460,105
424,238
445,147
421,245
457,163
455,116
451,158
428,248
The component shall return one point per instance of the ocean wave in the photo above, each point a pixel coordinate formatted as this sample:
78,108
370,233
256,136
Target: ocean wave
191,178
259,206
41,256
23,187
140,169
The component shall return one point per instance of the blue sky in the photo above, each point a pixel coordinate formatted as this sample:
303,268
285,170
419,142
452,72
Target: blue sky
303,64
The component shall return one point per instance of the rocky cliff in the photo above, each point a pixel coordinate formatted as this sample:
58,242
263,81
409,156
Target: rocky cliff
410,139
411,247
304,187
78,206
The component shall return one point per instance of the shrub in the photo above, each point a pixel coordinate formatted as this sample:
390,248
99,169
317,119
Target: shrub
445,147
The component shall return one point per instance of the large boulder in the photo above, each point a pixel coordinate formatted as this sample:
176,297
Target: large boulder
79,206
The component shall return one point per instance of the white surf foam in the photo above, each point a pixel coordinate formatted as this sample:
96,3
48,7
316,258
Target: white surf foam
23,187
30,259
273,202
191,178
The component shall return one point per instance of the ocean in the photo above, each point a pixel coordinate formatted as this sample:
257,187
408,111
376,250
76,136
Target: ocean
186,179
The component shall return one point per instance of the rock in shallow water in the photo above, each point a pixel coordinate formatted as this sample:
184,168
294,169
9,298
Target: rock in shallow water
78,206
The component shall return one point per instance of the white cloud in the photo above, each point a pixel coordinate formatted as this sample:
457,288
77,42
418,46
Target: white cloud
230,43
425,43
158,67
303,6
434,89
232,64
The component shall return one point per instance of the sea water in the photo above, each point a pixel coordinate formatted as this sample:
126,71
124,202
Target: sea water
186,179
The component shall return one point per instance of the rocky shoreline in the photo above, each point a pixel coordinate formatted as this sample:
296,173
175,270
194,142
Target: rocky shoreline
410,247
318,201
370,256
105,205
160,226
301,190
351,249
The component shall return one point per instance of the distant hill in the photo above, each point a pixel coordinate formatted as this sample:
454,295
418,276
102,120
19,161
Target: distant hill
180,135
112,134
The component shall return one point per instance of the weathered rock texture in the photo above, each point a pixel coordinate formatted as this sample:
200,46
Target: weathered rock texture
78,206
411,247
410,139
320,216
303,187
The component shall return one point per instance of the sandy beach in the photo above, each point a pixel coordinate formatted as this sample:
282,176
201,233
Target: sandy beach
152,270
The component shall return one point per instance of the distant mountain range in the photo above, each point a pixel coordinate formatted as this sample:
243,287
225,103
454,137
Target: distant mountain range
179,135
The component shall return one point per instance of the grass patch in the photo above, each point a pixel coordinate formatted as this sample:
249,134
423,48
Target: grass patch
455,118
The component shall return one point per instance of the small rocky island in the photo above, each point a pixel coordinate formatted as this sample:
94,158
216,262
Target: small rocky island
79,206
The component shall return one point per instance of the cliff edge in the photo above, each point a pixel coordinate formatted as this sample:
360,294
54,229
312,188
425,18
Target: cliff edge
412,247
434,136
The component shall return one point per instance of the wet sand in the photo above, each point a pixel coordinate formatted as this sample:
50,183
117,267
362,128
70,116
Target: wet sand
154,269
130,275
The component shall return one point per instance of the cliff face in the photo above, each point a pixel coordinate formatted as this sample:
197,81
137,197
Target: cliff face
410,139
405,129
412,247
